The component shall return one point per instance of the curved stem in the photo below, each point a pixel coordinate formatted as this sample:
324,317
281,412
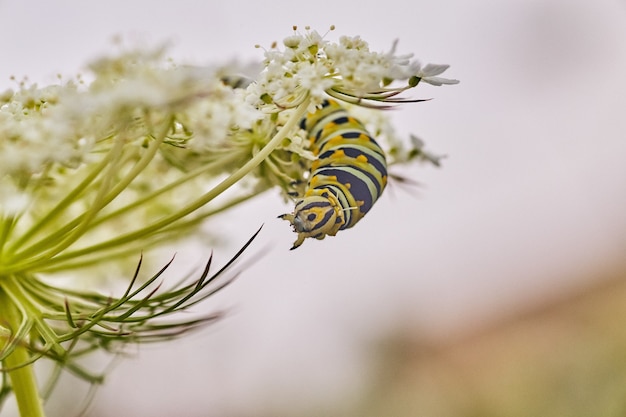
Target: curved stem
62,205
105,195
22,377
169,187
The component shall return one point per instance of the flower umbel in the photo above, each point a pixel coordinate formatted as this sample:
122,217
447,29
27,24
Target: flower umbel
310,66
92,174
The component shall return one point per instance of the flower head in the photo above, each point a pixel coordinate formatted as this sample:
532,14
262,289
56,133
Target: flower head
311,67
94,173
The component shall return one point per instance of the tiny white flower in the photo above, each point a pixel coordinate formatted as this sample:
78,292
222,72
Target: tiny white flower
429,73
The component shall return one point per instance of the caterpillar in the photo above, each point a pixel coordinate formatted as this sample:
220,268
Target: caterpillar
346,179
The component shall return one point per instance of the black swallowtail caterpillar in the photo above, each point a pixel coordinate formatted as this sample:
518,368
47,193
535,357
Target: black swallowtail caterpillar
346,179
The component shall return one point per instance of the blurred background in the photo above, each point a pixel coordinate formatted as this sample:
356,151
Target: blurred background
499,288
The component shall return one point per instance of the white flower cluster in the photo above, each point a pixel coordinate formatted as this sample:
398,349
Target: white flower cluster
69,125
33,136
28,127
310,66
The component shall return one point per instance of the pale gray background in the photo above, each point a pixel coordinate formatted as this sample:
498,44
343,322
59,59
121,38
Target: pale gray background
530,200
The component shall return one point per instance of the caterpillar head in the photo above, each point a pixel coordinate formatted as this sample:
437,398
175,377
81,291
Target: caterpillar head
315,216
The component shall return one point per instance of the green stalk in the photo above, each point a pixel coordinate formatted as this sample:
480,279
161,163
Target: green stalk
62,205
228,159
22,376
105,195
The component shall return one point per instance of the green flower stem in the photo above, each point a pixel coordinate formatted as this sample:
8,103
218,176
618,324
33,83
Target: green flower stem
194,222
162,190
140,245
18,366
101,199
7,226
106,194
30,312
293,121
157,226
60,235
62,205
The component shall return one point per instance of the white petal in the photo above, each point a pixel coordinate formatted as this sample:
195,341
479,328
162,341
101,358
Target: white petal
433,69
439,81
